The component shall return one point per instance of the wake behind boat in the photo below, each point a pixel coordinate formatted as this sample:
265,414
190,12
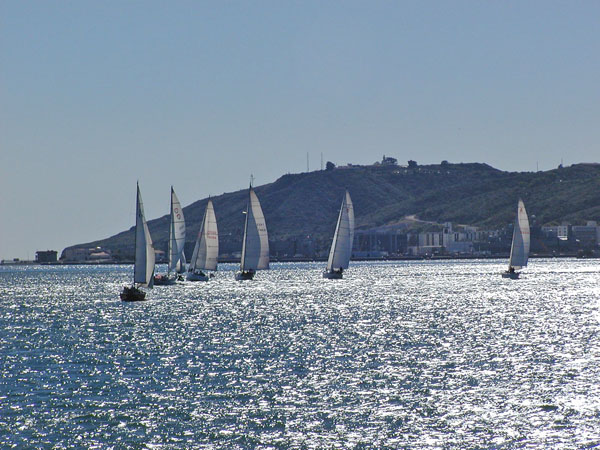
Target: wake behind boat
143,268
341,246
176,243
519,249
255,246
206,249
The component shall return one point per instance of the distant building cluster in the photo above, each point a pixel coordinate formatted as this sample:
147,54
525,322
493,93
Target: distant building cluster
470,241
584,236
86,255
548,240
449,240
46,256
390,241
401,242
467,241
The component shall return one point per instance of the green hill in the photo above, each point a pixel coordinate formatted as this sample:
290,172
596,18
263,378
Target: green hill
307,204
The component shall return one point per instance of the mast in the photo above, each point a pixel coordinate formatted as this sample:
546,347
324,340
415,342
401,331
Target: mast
197,246
211,239
138,238
335,238
171,233
206,250
144,251
137,214
519,251
341,246
176,234
248,206
255,247
512,245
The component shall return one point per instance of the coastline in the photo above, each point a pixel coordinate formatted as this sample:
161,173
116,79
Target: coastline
276,260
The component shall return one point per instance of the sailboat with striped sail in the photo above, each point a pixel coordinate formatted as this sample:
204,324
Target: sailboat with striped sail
519,249
143,269
206,250
255,246
176,243
341,246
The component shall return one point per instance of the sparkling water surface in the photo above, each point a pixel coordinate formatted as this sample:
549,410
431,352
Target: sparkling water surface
429,354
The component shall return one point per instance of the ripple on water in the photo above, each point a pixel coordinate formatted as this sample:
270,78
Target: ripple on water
433,354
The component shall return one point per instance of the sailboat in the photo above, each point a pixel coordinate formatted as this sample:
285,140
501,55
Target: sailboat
519,250
176,242
180,268
206,249
143,269
341,247
255,246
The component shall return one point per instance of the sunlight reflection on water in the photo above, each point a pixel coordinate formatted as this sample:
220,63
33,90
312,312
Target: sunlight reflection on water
432,354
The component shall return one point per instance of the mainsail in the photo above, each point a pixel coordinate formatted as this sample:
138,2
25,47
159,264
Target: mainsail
143,272
176,232
255,248
341,247
519,251
206,250
180,266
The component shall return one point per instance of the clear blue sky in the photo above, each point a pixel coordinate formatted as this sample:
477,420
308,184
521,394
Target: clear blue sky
95,95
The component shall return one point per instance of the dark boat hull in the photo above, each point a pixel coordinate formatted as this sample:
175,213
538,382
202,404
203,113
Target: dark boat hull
511,275
163,280
242,276
132,294
194,276
332,275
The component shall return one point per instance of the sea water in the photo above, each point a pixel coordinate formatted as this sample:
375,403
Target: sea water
429,354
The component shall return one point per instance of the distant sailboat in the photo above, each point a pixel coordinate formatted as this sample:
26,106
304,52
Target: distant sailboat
206,250
255,247
341,247
519,250
176,242
143,271
181,266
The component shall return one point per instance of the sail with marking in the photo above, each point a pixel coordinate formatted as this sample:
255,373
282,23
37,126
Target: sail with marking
206,250
255,248
143,272
519,251
341,247
176,232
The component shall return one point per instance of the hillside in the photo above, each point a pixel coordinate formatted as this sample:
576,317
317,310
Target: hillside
306,204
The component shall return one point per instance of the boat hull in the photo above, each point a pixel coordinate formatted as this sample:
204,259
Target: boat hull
511,275
192,276
132,294
332,275
243,276
163,280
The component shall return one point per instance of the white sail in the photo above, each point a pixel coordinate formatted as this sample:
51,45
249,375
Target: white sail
143,272
255,248
206,250
341,247
519,251
180,266
176,232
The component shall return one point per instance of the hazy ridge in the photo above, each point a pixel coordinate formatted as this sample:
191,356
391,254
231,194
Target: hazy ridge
307,204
